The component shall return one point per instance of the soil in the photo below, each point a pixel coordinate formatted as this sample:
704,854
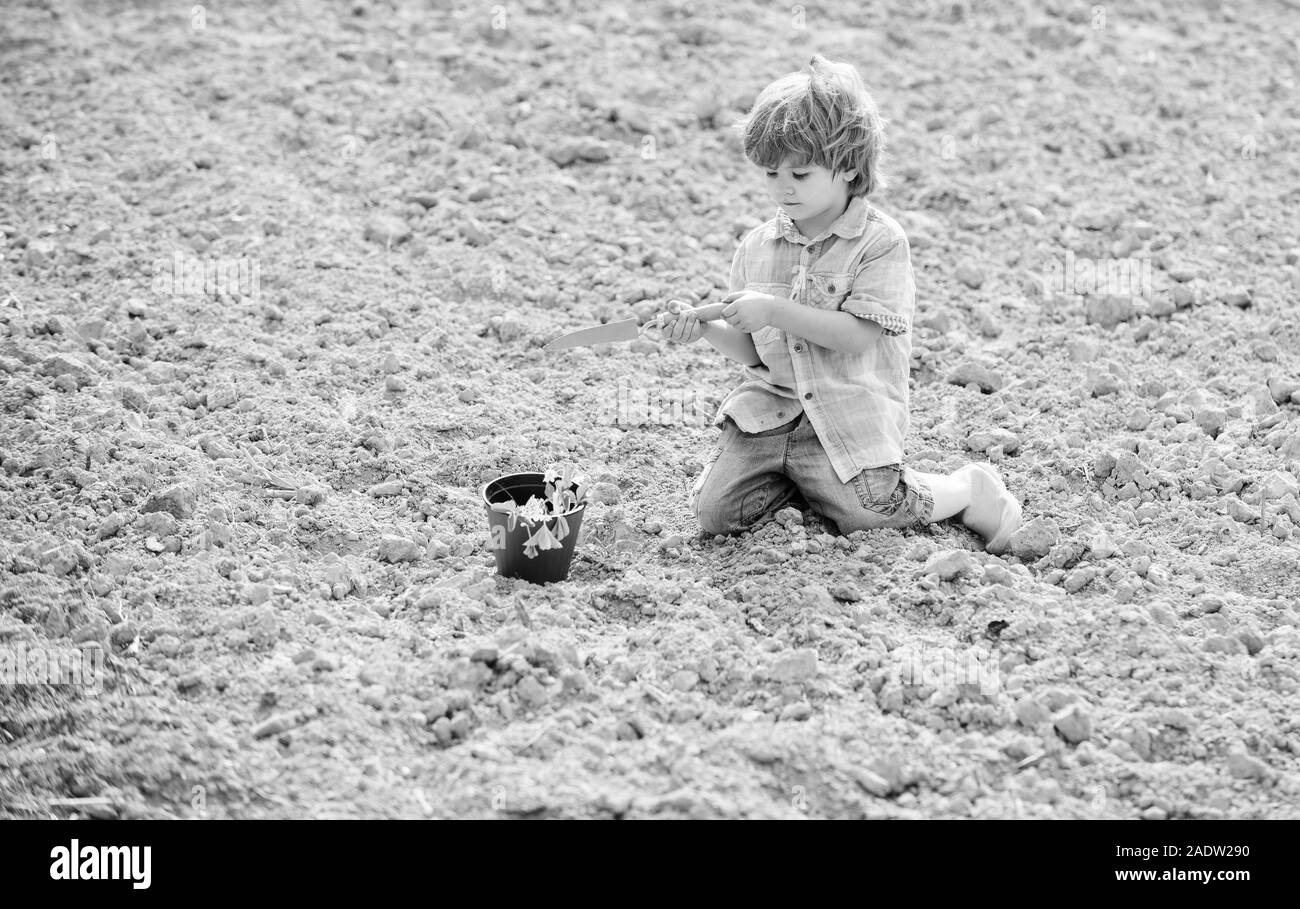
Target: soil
259,502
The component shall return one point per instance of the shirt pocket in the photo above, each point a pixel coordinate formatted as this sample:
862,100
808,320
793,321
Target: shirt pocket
827,290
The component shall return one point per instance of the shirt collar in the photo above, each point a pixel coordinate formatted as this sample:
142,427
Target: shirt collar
848,225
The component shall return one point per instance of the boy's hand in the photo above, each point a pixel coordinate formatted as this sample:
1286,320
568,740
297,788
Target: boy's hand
682,329
748,311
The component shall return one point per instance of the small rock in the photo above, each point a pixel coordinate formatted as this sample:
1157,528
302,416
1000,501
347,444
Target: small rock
1030,712
986,439
788,517
387,229
1220,643
325,662
1281,388
1078,579
1108,310
531,692
1094,218
1211,420
424,198
1035,539
950,563
257,594
1238,296
507,327
40,253
969,372
795,666
1162,614
970,275
1252,641
375,696
1101,383
685,680
1067,553
63,559
1103,465
96,629
221,394
1073,723
1162,306
110,526
398,549
124,633
474,232
872,782
67,365
606,493
1247,767
1138,419
1240,511
281,722
387,488
568,151
1266,351
442,731
178,501
1030,215
436,598
1082,350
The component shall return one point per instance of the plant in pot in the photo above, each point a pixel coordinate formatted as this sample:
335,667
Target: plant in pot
533,520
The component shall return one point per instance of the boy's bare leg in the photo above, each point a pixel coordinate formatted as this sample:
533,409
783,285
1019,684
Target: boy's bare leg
952,492
977,494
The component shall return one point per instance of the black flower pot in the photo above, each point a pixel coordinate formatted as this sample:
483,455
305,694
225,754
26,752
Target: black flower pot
548,565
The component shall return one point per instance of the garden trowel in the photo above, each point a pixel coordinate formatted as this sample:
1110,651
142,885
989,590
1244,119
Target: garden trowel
626,329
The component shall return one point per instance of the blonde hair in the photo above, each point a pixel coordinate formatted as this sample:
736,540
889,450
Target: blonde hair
823,116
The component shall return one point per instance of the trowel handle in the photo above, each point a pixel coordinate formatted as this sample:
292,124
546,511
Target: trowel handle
705,313
708,312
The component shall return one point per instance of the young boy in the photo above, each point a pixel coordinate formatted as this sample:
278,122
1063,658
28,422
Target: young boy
820,313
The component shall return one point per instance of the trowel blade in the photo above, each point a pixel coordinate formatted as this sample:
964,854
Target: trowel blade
624,330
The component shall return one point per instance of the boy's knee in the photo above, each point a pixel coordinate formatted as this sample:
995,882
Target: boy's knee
877,498
859,519
723,514
710,514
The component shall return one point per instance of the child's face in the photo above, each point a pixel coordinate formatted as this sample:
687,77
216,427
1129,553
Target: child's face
810,194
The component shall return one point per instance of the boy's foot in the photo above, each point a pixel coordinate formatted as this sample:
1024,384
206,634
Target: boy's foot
994,513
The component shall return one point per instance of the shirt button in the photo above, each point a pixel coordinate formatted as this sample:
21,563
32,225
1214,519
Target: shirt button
808,396
798,347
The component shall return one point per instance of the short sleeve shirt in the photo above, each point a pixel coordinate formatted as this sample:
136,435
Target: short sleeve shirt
857,402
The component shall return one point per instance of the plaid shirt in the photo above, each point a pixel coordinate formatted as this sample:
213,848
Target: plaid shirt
857,403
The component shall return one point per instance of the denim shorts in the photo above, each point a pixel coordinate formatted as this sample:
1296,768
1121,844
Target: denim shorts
748,476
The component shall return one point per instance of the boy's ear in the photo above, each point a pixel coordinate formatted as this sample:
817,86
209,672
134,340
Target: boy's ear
849,176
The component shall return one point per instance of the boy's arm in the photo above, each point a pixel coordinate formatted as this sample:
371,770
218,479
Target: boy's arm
735,344
830,328
731,342
881,302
